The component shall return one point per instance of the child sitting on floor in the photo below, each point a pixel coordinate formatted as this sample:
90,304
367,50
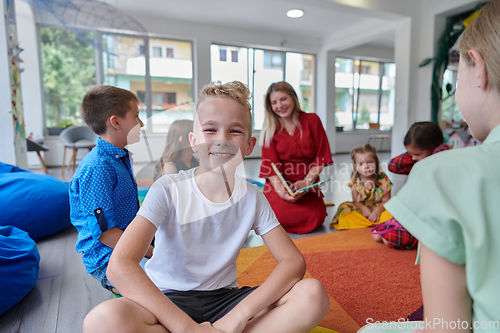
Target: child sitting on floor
200,218
103,193
178,154
423,139
370,189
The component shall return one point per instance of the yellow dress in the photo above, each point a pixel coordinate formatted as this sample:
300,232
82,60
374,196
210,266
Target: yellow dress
349,216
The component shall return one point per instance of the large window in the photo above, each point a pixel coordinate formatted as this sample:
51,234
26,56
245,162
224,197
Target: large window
364,92
163,83
259,68
170,78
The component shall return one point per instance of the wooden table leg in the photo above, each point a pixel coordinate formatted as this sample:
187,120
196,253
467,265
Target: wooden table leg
44,167
64,161
74,158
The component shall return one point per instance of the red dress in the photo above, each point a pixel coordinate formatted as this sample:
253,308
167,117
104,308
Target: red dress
294,155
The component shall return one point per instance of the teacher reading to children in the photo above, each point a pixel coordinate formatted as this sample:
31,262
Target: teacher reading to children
296,143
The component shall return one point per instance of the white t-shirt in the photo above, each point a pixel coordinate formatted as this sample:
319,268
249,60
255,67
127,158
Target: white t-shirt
197,241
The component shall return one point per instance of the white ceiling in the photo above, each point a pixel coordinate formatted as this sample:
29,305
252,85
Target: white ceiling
323,19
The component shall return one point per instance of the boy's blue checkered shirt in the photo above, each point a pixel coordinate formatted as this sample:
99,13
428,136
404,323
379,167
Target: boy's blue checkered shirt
102,195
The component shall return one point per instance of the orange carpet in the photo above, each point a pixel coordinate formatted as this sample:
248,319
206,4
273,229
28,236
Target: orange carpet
364,279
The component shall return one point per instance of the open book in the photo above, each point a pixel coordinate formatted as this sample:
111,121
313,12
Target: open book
304,189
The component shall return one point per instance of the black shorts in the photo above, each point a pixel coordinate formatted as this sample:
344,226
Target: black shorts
208,305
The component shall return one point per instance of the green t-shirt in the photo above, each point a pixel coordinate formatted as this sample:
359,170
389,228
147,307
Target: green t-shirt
451,203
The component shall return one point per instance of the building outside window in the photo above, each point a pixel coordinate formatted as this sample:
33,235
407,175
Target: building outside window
257,69
365,94
165,91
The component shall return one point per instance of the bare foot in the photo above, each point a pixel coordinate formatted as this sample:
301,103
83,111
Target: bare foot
377,238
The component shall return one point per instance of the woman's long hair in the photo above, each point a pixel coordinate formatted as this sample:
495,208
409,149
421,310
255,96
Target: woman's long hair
272,122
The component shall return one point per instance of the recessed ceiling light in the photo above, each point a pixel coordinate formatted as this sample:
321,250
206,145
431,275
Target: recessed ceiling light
295,13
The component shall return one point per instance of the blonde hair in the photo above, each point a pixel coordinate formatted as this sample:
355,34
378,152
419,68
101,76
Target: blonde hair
173,146
271,121
483,35
234,90
366,149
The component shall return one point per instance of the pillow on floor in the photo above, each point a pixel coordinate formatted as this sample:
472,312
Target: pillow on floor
37,204
19,259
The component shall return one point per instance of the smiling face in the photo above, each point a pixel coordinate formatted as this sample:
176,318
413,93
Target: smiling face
417,153
282,104
365,164
222,134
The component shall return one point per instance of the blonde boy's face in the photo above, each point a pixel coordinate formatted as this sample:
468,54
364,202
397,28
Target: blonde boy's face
222,134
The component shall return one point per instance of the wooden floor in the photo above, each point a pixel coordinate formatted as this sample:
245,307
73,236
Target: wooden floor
64,294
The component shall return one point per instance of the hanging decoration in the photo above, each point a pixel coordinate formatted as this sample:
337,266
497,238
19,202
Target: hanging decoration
13,52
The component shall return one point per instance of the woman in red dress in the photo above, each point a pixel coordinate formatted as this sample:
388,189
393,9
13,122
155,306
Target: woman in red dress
297,144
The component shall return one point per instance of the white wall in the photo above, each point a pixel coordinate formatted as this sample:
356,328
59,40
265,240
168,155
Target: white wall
30,78
325,87
346,141
369,52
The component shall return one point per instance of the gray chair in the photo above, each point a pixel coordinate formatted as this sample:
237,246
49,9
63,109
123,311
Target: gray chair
76,137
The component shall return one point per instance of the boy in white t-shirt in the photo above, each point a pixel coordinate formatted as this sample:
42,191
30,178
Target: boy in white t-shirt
200,218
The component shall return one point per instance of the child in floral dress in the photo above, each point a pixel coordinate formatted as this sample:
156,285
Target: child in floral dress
371,189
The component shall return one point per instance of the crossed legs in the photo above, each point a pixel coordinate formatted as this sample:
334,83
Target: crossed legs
300,310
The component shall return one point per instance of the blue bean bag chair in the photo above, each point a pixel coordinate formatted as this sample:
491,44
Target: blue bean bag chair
37,204
19,259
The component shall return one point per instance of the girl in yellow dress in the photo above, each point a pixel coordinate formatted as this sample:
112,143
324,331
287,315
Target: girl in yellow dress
371,189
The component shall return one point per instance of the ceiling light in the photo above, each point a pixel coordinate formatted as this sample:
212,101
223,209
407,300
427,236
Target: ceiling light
295,13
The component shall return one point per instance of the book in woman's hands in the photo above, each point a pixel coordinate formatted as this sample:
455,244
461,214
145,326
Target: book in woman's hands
289,190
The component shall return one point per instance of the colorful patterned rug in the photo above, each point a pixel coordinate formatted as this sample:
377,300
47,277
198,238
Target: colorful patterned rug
366,281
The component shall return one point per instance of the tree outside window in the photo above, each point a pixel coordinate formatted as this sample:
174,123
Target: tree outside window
68,72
